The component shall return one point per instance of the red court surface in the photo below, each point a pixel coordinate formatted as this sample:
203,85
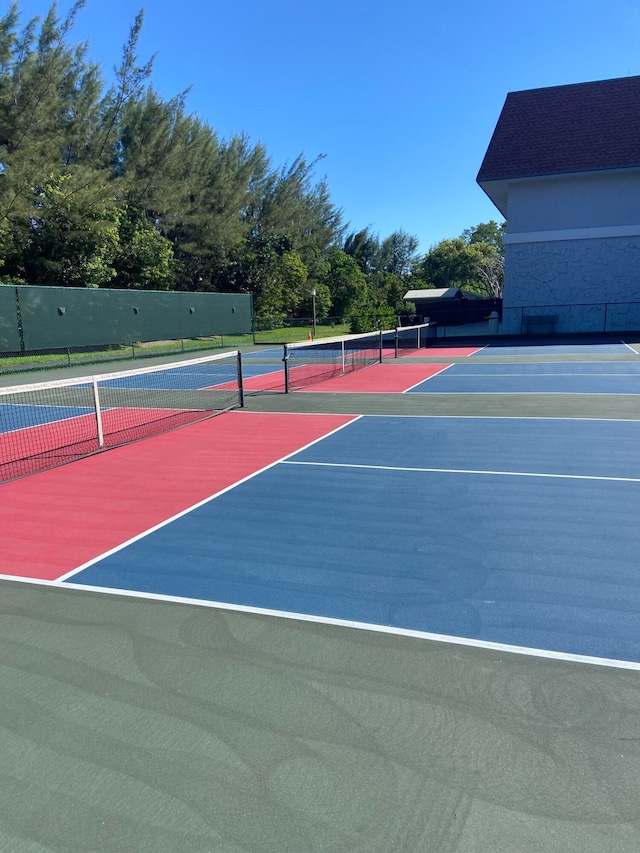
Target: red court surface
273,381
265,381
382,378
57,520
81,430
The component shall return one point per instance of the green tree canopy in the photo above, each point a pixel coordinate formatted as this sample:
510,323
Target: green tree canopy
474,261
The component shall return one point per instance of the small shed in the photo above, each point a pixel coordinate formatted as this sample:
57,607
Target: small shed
450,306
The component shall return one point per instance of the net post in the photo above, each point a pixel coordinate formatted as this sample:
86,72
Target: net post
343,357
285,359
98,412
380,345
396,340
240,383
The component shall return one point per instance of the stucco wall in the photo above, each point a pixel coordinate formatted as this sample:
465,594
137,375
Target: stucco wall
577,280
594,199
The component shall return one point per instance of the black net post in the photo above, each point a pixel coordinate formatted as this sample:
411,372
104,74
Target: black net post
380,345
396,341
240,383
285,359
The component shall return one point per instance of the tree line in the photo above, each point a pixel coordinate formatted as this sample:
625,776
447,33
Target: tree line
117,186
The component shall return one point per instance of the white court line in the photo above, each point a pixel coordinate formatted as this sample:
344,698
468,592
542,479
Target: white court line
464,471
490,417
491,374
195,506
557,354
635,351
427,378
612,663
539,393
247,412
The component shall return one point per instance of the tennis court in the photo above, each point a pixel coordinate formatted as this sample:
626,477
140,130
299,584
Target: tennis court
336,620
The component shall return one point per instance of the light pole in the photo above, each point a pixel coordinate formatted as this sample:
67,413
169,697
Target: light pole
313,304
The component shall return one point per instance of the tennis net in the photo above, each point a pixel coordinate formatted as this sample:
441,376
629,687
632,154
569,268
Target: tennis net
51,423
414,337
309,363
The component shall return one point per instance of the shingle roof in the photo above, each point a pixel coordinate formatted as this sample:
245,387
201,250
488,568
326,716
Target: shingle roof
574,128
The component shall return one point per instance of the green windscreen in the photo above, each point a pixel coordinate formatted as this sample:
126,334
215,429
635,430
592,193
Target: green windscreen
9,335
60,317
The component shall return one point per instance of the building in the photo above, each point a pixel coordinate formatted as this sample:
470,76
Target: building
563,168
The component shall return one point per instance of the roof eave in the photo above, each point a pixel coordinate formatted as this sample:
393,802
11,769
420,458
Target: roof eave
498,193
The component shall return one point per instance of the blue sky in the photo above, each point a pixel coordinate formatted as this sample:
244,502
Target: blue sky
401,97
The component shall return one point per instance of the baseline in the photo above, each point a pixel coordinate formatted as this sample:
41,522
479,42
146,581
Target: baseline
547,348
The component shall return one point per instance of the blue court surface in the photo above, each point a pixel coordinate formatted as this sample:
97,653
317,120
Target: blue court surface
13,417
548,348
196,377
273,352
618,377
521,532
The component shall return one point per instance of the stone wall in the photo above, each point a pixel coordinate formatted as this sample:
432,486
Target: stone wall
589,285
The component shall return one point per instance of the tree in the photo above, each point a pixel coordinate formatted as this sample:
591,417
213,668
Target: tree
489,264
143,258
486,232
72,233
346,283
398,253
364,248
474,261
489,268
449,264
125,188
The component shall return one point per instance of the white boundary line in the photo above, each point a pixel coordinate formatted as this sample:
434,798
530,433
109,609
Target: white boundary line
529,393
634,374
427,378
530,347
465,471
195,506
246,412
567,657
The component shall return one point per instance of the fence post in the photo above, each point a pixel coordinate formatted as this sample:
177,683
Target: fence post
23,349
